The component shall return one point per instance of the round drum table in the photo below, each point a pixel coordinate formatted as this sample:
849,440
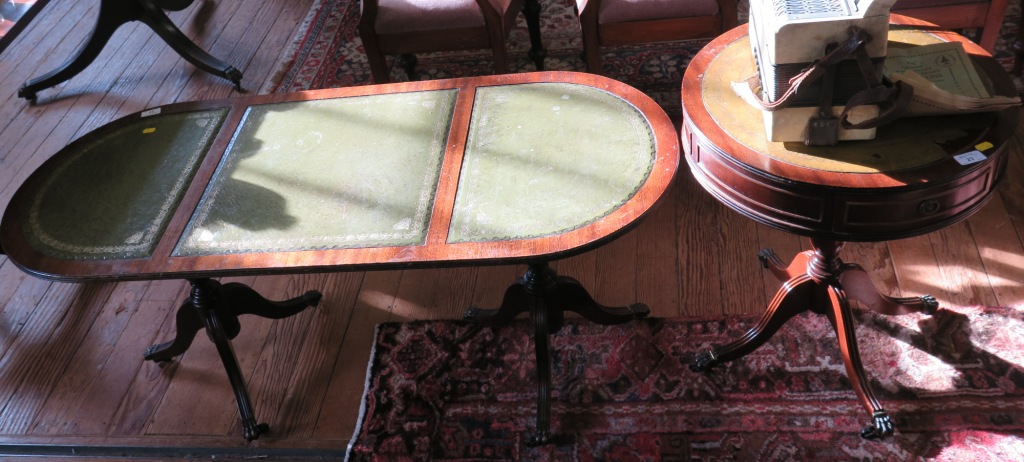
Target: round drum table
918,175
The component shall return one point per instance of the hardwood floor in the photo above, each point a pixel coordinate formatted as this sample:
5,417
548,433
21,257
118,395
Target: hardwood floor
71,367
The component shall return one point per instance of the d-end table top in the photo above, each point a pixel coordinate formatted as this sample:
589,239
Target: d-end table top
478,170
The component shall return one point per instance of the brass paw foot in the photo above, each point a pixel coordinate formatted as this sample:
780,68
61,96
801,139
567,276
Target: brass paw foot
540,438
704,362
881,426
252,430
235,76
638,310
929,305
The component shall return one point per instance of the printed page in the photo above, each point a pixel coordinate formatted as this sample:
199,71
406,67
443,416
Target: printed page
944,80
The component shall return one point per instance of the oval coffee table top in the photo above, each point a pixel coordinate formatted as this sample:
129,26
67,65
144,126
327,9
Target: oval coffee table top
486,169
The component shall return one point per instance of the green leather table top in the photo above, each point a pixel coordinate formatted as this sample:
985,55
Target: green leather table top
362,171
113,197
345,172
498,168
534,168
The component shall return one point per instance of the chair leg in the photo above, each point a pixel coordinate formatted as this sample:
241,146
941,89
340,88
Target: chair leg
537,53
500,59
378,66
592,55
408,61
591,43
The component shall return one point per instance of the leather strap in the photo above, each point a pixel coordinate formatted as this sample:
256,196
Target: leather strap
858,37
823,128
891,99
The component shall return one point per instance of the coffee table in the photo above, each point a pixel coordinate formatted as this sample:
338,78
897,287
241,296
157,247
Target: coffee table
523,168
919,175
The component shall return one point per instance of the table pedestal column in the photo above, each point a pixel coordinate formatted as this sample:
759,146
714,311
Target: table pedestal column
547,296
215,307
817,280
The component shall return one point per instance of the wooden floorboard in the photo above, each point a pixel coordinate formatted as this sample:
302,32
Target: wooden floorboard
71,367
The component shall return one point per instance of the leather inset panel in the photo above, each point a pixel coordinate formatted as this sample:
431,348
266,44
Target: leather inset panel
338,173
112,198
546,158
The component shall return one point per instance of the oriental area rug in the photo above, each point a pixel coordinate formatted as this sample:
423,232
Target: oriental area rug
446,391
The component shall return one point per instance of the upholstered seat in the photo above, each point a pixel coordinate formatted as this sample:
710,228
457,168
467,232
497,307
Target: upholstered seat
406,27
623,22
986,15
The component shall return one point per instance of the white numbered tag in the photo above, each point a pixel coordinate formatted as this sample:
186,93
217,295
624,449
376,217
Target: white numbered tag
970,157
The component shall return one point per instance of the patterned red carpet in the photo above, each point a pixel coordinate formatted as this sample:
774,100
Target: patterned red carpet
954,384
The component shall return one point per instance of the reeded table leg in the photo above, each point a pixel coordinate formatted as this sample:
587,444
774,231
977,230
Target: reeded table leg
817,280
791,300
546,296
216,308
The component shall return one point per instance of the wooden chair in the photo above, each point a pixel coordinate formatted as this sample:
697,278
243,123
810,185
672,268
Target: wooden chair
959,14
623,22
406,27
